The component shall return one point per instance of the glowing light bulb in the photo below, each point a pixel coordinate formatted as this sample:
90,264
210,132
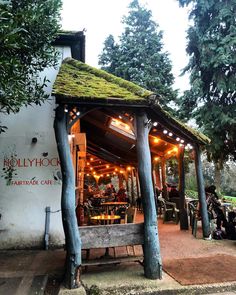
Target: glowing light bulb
165,131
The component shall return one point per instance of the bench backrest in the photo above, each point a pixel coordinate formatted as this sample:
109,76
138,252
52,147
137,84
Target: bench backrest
114,235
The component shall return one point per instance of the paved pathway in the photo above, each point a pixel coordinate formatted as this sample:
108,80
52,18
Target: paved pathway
25,272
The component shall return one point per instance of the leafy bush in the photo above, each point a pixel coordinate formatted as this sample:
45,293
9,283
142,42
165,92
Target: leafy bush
191,194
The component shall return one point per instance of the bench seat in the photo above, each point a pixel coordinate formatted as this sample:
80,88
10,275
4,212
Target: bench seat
111,236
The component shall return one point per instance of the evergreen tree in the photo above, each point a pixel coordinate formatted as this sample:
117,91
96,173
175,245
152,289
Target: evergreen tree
212,97
27,29
138,57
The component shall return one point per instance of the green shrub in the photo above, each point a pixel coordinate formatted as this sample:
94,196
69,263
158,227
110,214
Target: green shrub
191,194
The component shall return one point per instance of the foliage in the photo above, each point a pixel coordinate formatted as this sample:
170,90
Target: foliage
212,97
27,29
191,194
139,56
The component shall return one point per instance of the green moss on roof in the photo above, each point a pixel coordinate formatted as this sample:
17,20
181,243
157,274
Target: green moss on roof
78,80
198,135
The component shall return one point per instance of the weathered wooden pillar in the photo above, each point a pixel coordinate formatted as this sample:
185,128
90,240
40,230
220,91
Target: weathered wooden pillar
120,179
72,237
132,187
201,193
183,212
163,178
127,185
157,174
137,183
152,257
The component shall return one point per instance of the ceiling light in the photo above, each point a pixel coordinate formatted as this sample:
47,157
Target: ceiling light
170,134
155,124
165,131
177,139
182,141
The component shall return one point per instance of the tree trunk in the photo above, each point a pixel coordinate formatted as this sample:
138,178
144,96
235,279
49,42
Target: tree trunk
183,212
72,237
152,257
201,193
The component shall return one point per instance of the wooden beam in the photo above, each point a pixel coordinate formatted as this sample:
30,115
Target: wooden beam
118,134
108,156
152,257
201,193
107,129
73,242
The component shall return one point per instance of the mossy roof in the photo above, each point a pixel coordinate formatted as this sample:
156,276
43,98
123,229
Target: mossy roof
78,80
199,135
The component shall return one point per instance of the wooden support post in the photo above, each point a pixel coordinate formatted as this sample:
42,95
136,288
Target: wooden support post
183,211
157,174
201,193
137,183
72,237
120,178
163,178
152,257
127,184
132,187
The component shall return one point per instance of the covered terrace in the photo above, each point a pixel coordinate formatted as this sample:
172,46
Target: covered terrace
123,125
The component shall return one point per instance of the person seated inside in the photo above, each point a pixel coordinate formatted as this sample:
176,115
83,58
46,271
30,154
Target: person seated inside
174,193
108,190
121,195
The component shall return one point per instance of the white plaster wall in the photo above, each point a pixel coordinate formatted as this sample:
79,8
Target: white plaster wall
37,183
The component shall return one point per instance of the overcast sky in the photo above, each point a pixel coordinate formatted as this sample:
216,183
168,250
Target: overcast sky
101,18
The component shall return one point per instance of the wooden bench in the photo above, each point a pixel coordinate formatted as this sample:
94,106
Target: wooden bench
110,236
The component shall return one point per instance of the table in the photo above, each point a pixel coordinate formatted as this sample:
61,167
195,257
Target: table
107,219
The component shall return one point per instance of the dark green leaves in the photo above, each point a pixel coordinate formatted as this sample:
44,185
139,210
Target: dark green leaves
27,29
212,97
139,56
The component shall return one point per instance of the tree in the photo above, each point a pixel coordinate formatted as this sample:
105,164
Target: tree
139,56
212,66
27,29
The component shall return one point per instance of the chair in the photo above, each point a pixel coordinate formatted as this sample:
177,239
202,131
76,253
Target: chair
130,215
195,216
170,211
